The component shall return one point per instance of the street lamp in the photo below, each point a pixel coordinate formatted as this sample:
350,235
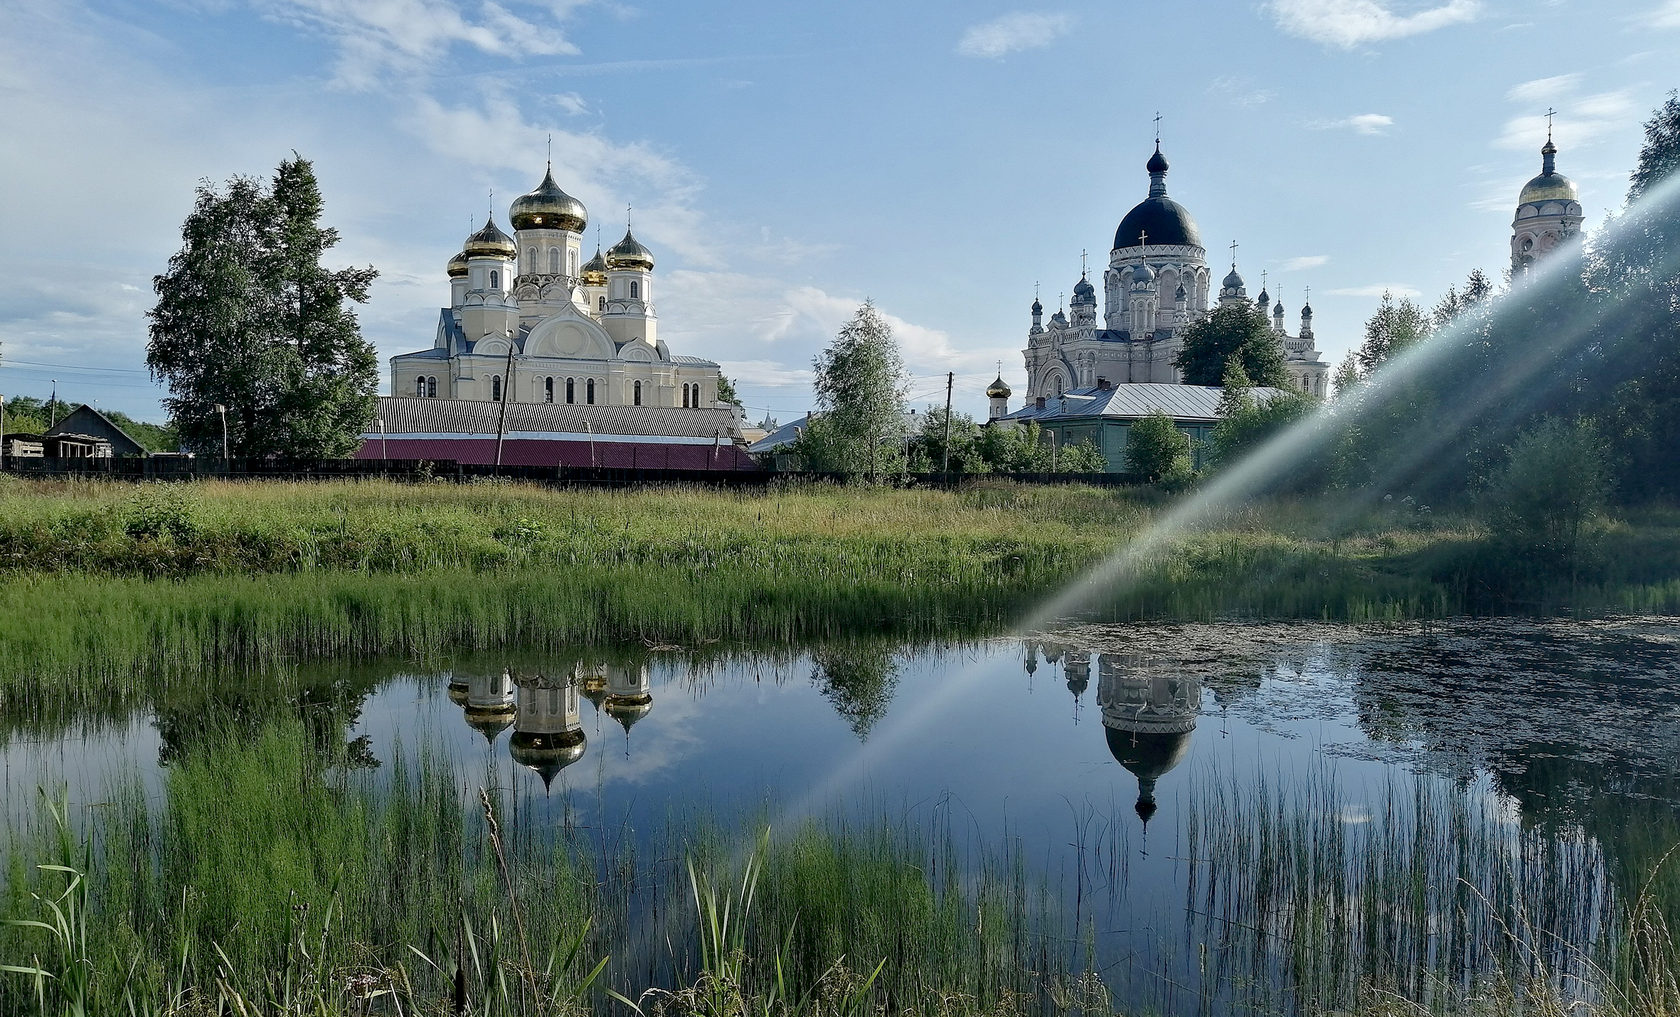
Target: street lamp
222,412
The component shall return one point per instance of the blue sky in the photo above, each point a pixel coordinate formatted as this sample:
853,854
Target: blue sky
785,161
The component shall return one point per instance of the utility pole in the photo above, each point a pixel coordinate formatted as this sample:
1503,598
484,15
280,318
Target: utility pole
52,420
950,378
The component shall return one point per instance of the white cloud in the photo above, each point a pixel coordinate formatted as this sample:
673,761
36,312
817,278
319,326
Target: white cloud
570,102
1362,123
1544,89
1349,24
1666,16
1305,262
1240,91
377,37
1377,290
1012,33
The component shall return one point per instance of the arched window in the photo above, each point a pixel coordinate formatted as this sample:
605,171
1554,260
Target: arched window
685,395
530,259
1058,386
589,391
548,390
638,393
571,262
571,396
496,388
431,387
420,387
554,261
635,290
603,305
495,279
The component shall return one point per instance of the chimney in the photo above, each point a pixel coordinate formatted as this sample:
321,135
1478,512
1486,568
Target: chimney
1039,404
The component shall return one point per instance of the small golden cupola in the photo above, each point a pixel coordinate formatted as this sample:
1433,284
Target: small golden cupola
595,270
458,266
490,242
629,253
548,208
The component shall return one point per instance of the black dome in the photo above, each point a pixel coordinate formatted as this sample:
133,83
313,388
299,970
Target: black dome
1147,754
1166,221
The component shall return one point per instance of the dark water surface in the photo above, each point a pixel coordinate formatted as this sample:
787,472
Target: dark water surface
1189,792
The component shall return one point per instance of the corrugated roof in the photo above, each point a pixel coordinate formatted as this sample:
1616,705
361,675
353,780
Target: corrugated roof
1132,402
470,416
694,361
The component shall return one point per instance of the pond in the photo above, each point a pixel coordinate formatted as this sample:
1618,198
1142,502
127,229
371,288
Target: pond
1226,813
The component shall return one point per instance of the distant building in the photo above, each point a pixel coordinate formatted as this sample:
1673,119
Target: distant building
529,321
1548,213
1105,415
86,422
1157,284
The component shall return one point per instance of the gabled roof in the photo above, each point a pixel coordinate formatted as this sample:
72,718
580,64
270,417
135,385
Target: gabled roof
86,422
1133,402
412,415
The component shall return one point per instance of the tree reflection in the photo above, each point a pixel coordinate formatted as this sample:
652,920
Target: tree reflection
859,680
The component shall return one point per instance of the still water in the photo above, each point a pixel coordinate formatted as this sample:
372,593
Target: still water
1199,797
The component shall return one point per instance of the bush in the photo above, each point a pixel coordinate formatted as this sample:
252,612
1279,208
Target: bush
1155,447
1546,505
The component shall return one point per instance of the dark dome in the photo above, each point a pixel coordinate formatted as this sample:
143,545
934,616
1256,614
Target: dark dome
1037,307
1164,219
1233,281
1157,163
1083,288
1147,754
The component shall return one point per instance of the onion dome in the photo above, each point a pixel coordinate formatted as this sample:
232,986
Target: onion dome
1143,275
1306,311
629,253
490,720
1264,300
628,709
1157,220
1550,185
1084,292
1037,308
998,389
457,266
1233,280
548,208
458,690
595,270
594,689
547,754
490,242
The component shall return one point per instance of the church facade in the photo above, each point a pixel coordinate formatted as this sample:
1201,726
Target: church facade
1156,285
527,322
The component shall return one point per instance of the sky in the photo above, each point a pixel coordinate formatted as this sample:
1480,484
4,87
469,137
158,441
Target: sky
785,162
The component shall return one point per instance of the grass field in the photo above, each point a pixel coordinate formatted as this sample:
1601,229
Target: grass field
104,583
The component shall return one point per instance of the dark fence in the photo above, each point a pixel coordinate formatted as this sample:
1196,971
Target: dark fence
418,470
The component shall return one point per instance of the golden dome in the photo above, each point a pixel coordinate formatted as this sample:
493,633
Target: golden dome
547,754
1548,187
457,265
458,691
490,242
628,709
629,253
490,721
997,389
548,208
595,270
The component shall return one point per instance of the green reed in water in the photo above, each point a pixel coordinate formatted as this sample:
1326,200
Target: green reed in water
278,878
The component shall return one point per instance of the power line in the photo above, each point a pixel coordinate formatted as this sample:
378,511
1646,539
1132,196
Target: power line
9,361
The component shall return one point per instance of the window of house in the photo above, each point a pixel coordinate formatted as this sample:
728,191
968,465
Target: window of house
635,291
571,396
638,393
496,389
495,279
589,391
420,386
530,259
548,390
603,305
685,395
431,387
554,261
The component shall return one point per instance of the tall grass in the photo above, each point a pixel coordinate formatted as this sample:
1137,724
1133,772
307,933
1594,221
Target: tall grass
276,876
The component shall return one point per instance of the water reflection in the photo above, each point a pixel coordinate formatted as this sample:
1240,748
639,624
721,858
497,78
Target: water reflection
544,708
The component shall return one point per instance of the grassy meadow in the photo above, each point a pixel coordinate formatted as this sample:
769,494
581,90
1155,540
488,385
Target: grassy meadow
101,583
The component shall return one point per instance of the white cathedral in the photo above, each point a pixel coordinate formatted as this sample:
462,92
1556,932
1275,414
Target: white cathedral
527,321
1157,284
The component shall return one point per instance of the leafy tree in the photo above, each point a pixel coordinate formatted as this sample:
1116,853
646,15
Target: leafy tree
965,453
860,386
1393,329
247,317
726,391
1239,330
1548,499
859,680
1085,457
1252,422
1155,447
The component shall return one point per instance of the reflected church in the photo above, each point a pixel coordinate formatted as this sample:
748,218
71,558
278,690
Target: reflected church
545,711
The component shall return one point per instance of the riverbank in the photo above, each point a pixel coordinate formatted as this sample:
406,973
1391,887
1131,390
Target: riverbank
102,583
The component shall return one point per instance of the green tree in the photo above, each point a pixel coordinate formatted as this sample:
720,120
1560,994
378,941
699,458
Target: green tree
1155,447
1546,502
965,455
1085,457
1240,330
726,391
860,386
1394,328
247,317
859,680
